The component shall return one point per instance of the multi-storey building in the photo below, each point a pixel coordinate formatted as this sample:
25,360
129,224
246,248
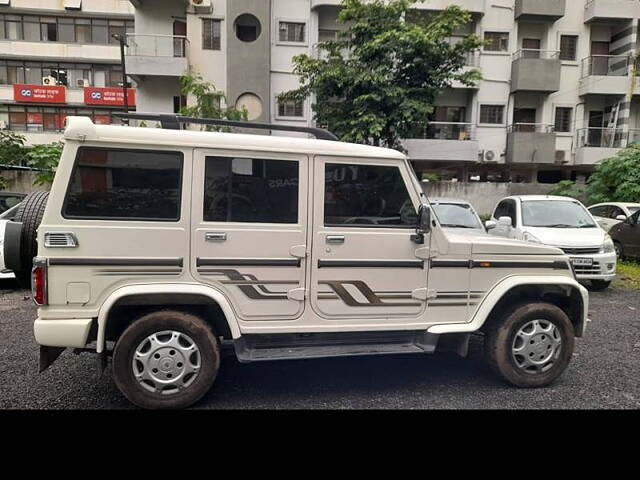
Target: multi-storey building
559,90
59,58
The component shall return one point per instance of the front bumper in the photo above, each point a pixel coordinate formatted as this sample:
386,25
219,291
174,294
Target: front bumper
62,332
603,267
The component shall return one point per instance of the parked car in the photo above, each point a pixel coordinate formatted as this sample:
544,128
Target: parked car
8,200
4,218
609,214
142,256
564,223
626,237
456,214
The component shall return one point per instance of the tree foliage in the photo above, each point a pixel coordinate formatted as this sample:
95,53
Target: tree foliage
617,179
569,188
43,159
209,102
379,78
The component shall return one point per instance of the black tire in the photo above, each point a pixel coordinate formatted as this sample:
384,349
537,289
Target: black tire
30,214
619,250
500,336
159,321
599,285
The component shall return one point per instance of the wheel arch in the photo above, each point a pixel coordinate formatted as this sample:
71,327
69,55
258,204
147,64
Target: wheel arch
564,292
140,298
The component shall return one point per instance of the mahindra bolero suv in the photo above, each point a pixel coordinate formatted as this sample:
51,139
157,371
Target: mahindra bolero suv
164,249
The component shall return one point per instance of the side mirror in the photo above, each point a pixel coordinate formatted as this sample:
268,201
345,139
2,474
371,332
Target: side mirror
424,224
622,218
490,224
505,222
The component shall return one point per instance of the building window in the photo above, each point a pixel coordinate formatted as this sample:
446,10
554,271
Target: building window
291,32
247,28
211,34
290,108
50,119
569,47
492,114
72,75
499,41
325,35
563,119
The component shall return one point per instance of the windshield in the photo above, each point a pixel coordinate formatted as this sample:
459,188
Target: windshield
456,215
633,210
555,214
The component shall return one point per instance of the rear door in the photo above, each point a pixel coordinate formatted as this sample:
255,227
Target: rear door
249,230
365,267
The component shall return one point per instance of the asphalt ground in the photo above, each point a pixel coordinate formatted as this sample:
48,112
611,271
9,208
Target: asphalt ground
604,373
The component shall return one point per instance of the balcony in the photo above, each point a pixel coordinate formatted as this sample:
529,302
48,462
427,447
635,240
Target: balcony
473,6
162,55
535,71
472,62
596,144
605,75
443,141
539,10
532,143
611,10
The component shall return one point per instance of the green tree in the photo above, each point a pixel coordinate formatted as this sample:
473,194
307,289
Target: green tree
208,102
44,160
11,151
617,179
379,78
569,188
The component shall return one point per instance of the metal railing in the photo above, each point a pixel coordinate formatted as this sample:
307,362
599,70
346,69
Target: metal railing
531,127
536,53
147,45
472,59
443,131
607,137
606,65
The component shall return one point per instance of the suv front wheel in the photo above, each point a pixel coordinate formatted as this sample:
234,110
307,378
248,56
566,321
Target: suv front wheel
166,359
531,345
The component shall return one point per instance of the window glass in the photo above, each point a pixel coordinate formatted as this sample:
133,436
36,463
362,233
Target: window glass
49,31
99,31
210,34
83,31
506,208
568,47
563,119
599,211
291,32
492,114
555,214
456,215
125,185
290,109
13,31
33,75
31,31
66,31
615,211
498,41
250,190
366,196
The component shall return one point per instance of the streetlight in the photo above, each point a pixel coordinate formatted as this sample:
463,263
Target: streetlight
123,43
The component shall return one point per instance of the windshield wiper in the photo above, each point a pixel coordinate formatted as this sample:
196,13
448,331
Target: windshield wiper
451,225
559,225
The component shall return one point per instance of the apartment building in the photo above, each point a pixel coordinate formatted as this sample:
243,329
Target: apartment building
59,58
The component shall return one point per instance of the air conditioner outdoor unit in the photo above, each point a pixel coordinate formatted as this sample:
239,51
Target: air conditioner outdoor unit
49,81
3,125
201,6
490,156
561,156
83,82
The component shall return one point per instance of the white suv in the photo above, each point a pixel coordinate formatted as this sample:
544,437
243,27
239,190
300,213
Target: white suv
165,249
564,223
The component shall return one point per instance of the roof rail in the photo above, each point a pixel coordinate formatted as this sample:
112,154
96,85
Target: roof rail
172,121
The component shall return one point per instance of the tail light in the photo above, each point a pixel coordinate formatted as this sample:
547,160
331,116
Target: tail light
39,282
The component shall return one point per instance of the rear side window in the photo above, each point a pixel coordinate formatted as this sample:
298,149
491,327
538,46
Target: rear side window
119,184
366,196
251,190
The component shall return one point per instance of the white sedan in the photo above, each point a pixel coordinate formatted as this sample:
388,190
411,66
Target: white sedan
609,214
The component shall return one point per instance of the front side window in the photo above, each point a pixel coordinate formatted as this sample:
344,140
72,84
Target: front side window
366,196
250,190
555,214
498,41
506,208
115,184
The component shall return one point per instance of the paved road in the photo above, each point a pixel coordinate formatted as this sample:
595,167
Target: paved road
605,373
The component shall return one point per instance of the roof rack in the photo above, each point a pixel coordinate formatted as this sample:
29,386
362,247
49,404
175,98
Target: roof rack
172,121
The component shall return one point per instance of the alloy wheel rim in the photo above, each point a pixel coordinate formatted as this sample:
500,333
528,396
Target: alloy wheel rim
536,346
166,362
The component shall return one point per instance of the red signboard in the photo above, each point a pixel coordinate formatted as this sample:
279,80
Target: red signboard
39,94
108,96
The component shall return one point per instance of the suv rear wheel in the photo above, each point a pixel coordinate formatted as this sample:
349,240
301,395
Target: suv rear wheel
531,345
166,359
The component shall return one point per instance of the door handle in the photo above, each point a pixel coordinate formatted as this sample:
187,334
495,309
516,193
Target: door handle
215,236
335,239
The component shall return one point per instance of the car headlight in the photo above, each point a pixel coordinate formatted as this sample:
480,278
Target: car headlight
607,246
531,238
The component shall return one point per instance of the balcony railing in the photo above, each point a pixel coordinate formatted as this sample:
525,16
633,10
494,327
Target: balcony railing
606,65
536,53
146,45
472,59
607,137
531,128
443,131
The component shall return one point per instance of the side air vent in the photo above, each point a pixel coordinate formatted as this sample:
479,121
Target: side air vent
60,240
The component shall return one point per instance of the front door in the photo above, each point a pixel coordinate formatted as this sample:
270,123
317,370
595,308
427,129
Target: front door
596,119
365,267
531,47
524,119
249,217
180,33
599,58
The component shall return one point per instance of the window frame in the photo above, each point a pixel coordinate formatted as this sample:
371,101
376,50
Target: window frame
490,104
404,176
507,51
575,35
289,117
212,20
125,219
301,21
571,119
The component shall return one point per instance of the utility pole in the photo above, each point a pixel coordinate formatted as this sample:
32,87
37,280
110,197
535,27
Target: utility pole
123,43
